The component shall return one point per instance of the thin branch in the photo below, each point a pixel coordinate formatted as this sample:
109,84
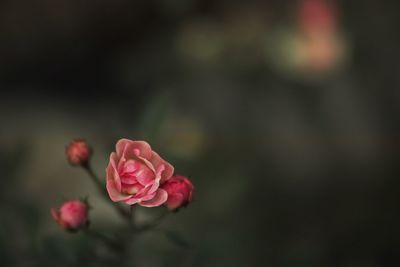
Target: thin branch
132,217
101,187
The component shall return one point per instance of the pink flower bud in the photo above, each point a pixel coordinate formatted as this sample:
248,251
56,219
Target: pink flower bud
72,216
180,192
78,152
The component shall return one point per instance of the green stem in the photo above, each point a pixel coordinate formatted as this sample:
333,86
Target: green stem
132,217
100,186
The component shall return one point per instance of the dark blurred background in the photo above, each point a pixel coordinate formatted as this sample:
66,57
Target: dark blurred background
283,113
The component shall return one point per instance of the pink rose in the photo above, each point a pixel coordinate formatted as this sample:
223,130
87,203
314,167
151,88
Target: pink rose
72,215
317,15
135,173
78,152
180,192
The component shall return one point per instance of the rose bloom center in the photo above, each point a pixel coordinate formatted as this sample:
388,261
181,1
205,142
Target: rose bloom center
135,176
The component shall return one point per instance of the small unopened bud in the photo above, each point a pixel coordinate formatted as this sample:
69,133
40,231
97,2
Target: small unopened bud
72,215
180,192
78,152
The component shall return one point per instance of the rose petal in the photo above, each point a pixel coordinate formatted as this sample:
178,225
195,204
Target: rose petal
132,200
155,185
127,148
147,197
148,164
127,171
128,180
142,192
114,194
160,197
157,162
131,166
120,146
112,175
112,172
137,199
144,175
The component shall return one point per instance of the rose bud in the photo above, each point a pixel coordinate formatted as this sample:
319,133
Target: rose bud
180,192
78,152
72,216
135,173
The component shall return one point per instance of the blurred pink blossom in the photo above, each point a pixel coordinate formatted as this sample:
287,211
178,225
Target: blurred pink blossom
317,15
78,152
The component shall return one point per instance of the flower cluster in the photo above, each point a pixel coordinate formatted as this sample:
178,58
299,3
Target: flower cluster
135,175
